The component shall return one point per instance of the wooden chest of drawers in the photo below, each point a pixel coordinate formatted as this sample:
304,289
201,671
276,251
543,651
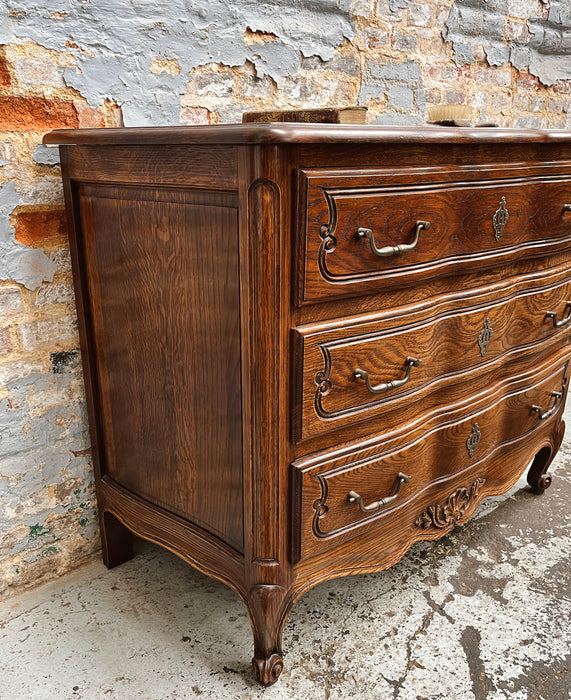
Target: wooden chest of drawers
307,347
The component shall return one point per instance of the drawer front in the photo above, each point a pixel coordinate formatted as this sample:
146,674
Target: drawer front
359,371
363,234
340,497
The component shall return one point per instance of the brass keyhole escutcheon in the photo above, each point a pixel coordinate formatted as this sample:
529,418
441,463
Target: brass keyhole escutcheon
485,337
500,219
474,439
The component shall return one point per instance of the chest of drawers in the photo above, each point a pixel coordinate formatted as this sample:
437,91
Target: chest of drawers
307,347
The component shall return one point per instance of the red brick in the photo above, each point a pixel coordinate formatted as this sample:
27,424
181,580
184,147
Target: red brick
493,76
195,115
562,86
33,227
5,79
89,117
36,114
528,81
448,73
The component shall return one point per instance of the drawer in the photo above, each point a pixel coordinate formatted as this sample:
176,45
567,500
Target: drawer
363,233
360,370
336,497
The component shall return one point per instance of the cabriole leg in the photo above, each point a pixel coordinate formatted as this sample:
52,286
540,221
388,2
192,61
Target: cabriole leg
268,607
536,476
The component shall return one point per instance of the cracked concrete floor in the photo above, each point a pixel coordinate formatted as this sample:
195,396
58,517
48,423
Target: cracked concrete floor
483,613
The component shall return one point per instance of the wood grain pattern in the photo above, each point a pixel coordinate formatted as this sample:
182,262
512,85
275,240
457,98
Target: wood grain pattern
175,347
177,534
432,455
447,342
162,165
380,547
264,230
202,337
461,235
301,133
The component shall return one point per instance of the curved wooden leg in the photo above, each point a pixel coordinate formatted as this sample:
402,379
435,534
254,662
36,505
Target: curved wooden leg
116,540
536,476
268,607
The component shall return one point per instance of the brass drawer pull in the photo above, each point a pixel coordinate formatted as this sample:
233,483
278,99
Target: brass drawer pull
562,322
556,396
567,207
395,384
372,507
393,249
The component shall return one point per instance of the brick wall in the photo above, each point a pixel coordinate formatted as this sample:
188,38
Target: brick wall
99,64
47,505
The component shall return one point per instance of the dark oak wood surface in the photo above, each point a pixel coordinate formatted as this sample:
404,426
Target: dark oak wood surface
432,454
164,298
300,133
455,342
211,167
220,337
460,213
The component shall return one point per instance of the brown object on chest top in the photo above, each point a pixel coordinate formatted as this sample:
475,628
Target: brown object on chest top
307,347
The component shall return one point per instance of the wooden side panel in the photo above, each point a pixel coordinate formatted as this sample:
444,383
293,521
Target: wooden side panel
163,282
197,166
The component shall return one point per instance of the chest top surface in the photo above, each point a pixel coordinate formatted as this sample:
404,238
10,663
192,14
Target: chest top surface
284,133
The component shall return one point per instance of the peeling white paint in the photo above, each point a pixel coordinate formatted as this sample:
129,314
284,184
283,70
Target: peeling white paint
193,34
481,24
19,263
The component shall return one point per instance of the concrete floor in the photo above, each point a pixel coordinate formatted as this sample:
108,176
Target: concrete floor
482,613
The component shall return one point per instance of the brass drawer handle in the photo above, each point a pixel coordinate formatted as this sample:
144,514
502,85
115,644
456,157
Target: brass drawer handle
562,322
393,249
567,207
387,386
556,396
372,507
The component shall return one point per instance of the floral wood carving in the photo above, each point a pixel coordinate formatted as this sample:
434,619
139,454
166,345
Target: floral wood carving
453,511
